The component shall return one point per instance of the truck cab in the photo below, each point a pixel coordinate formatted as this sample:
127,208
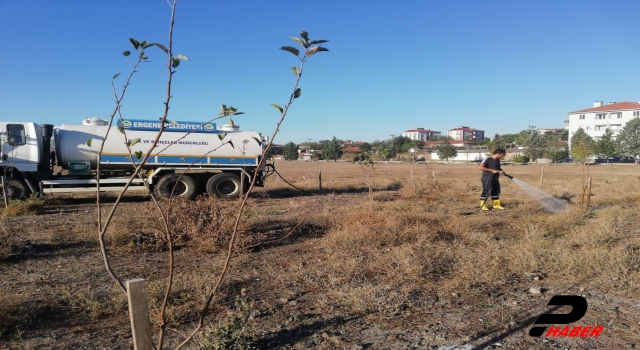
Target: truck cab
20,146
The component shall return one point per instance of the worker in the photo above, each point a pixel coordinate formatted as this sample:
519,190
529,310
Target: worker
491,171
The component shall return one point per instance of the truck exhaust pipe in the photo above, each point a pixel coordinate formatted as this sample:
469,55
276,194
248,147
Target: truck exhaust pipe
45,166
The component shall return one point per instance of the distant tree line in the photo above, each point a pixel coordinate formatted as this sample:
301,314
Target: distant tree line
550,145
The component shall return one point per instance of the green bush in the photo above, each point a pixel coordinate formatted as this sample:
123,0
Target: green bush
520,158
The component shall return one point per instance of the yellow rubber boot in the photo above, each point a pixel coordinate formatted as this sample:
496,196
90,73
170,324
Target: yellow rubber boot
483,205
496,204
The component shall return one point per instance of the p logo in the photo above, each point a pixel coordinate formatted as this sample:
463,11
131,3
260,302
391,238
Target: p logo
579,309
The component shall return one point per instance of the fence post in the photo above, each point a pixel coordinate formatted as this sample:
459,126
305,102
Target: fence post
320,181
139,315
541,176
241,185
413,184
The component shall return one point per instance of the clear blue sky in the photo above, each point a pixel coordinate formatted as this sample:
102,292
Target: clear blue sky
498,66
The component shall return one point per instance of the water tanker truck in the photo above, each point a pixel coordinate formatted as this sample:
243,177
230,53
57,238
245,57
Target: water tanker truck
190,158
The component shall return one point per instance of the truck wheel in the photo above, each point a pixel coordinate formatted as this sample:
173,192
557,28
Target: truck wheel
224,185
16,189
185,186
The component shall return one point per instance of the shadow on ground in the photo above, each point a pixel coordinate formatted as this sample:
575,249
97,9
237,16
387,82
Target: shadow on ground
36,251
291,336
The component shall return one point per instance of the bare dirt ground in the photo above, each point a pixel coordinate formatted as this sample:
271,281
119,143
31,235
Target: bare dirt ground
413,265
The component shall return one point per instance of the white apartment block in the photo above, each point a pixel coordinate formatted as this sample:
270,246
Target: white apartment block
594,121
421,134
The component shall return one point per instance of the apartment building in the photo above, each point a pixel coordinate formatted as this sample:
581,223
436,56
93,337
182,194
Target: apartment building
595,120
465,133
421,134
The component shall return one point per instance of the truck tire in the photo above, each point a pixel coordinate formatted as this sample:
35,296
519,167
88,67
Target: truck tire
224,185
16,189
185,186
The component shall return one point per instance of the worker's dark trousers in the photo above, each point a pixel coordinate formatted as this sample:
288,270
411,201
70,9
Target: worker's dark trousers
490,186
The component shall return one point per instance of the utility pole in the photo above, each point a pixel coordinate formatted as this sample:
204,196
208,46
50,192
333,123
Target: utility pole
309,146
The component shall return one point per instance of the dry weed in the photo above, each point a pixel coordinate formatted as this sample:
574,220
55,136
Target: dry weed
204,224
31,206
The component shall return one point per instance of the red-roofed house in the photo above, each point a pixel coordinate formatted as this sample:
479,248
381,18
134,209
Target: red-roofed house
594,121
465,133
421,134
352,150
349,143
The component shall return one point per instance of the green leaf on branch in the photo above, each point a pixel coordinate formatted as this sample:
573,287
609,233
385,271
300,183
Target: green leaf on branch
135,43
134,141
126,53
115,76
222,136
231,122
304,35
182,57
295,70
302,43
315,42
278,107
225,111
144,57
315,50
231,143
138,154
160,46
293,50
175,62
175,123
297,93
258,141
89,142
144,44
121,129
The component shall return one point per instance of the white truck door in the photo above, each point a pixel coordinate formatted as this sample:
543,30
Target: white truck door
19,146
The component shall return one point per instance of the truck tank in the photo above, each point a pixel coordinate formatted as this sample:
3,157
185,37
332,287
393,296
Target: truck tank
202,146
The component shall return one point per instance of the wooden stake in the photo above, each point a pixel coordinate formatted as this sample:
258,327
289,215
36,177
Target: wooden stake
589,193
241,185
320,181
371,199
541,177
139,315
413,184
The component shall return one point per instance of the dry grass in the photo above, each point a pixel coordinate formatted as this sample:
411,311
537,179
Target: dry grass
31,206
404,256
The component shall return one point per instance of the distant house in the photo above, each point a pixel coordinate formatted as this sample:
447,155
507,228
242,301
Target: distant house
594,121
352,150
421,134
349,143
465,133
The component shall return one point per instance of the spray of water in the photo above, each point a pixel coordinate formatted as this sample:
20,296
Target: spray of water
549,202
